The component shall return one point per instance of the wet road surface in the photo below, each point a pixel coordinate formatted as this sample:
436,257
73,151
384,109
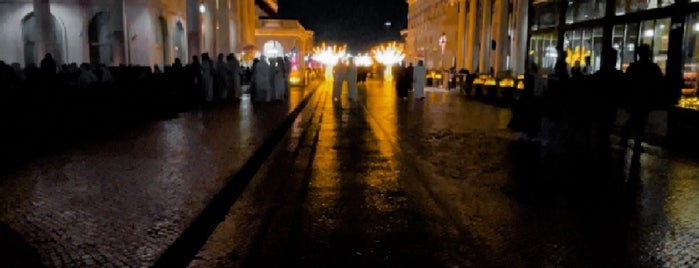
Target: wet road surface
123,201
377,182
384,182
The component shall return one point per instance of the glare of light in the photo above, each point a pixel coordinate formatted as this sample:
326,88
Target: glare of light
388,24
696,27
389,54
294,80
202,8
328,56
363,60
648,33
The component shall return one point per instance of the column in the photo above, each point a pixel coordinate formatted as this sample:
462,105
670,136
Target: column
193,28
44,41
519,45
118,23
500,24
486,38
250,17
461,35
223,39
471,38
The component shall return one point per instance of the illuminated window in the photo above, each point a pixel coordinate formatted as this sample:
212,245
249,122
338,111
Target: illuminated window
582,10
629,6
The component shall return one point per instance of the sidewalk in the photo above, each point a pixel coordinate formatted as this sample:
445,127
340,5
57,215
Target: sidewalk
123,202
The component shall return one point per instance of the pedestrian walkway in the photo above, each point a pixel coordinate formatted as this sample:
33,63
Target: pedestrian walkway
443,183
123,201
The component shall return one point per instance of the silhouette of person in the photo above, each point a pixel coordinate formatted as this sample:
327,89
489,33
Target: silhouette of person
645,81
48,65
606,91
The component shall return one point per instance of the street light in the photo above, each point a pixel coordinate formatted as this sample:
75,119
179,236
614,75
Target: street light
328,56
389,54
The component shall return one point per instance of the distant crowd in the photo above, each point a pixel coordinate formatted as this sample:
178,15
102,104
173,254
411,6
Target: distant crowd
51,104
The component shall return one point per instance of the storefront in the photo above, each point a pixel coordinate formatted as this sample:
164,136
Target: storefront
582,28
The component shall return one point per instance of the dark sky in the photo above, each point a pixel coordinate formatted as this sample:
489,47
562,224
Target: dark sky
358,23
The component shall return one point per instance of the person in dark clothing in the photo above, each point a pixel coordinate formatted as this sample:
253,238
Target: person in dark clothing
606,92
645,81
402,82
48,65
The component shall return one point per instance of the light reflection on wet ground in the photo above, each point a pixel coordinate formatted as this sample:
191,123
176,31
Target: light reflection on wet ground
443,182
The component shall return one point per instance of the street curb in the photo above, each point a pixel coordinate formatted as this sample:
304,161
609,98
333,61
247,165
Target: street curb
193,238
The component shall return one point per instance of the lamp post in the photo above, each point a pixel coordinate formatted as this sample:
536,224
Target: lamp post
389,54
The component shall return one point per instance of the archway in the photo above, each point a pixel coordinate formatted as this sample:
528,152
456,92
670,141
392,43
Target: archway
162,40
99,38
30,38
273,49
179,39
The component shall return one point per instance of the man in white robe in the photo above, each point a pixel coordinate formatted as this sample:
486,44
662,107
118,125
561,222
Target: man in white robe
351,77
263,80
339,72
234,75
419,73
207,66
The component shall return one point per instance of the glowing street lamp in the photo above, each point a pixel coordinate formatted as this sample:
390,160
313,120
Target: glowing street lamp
328,56
389,54
363,60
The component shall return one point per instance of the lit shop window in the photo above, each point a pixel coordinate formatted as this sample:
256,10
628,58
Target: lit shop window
543,51
627,37
583,10
584,47
691,55
629,6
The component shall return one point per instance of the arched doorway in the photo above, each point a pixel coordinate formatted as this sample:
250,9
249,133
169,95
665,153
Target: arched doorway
179,39
30,38
162,40
99,31
273,49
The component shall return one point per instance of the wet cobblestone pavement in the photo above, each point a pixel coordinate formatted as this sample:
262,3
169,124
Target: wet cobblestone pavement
443,183
123,200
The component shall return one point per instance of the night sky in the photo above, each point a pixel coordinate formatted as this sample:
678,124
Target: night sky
358,23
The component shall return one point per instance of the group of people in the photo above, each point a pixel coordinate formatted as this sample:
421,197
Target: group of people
411,77
590,101
270,79
215,81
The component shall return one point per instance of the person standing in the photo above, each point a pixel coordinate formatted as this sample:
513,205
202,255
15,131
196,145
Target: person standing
207,77
221,78
419,75
338,75
262,80
606,91
234,74
645,81
351,77
403,82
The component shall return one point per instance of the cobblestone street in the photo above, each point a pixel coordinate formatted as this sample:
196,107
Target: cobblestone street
124,200
374,182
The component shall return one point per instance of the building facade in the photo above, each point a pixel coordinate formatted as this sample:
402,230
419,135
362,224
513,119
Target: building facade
583,28
477,35
113,32
283,37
